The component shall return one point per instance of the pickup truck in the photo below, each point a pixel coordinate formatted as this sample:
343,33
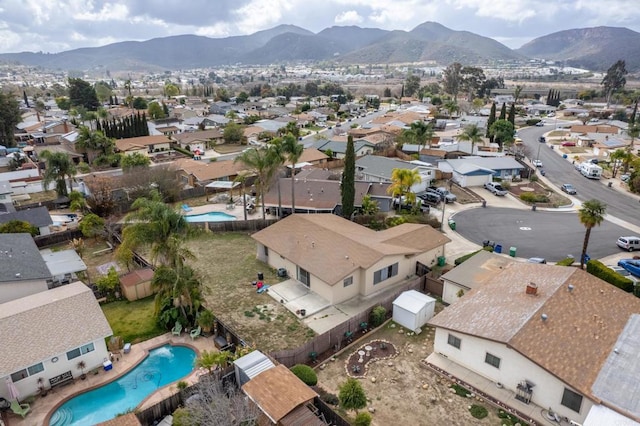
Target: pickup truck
495,188
446,195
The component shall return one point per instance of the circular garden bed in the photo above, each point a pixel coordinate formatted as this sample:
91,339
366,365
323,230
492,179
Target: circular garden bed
358,362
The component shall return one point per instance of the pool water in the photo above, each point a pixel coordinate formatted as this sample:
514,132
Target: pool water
164,365
210,217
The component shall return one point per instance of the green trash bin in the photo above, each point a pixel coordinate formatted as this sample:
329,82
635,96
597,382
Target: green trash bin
441,260
512,251
452,225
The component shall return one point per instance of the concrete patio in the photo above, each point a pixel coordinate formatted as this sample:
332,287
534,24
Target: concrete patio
42,407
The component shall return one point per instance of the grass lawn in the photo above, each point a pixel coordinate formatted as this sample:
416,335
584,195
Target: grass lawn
227,264
229,148
133,321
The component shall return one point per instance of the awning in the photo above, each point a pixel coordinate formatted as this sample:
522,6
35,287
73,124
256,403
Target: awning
222,184
300,165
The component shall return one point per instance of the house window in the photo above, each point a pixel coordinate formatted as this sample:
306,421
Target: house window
385,273
35,369
454,341
75,353
492,360
87,348
571,400
347,281
19,375
303,277
266,251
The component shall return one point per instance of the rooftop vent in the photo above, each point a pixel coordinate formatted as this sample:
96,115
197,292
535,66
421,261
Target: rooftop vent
17,274
544,317
571,287
532,288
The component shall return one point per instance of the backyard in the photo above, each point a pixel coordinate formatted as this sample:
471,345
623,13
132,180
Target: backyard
133,321
227,264
403,387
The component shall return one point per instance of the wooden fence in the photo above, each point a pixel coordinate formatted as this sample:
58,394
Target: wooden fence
43,241
334,339
330,416
253,225
167,406
433,286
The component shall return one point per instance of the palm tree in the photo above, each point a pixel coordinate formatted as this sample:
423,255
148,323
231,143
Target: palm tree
293,150
211,359
473,134
618,157
58,167
401,182
94,140
423,132
261,162
591,214
451,107
156,225
181,286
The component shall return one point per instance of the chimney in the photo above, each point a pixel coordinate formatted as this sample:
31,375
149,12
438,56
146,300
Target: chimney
66,126
532,288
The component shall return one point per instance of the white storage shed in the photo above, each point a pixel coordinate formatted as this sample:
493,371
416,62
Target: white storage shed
413,309
250,365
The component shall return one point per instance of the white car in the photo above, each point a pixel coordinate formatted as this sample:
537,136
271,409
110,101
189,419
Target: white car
495,188
537,163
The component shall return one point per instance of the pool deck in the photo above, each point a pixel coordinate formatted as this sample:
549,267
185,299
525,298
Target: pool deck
236,211
43,406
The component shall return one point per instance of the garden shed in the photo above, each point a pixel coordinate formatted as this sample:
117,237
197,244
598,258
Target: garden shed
413,309
137,284
250,365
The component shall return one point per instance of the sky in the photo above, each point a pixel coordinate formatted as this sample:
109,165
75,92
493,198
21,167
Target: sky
53,26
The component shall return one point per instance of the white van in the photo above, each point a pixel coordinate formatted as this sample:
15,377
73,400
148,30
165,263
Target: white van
629,243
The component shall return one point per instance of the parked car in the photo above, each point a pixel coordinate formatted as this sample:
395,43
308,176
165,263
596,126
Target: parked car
568,143
568,188
446,195
542,172
537,163
540,124
429,197
625,178
495,188
629,243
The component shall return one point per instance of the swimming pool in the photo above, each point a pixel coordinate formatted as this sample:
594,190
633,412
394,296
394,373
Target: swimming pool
210,217
164,365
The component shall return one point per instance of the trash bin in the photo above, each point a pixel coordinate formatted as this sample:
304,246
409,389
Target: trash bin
497,248
533,207
512,251
484,203
586,258
610,184
564,156
260,276
441,260
452,225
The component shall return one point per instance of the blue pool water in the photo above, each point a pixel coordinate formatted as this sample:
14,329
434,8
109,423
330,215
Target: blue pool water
164,365
210,217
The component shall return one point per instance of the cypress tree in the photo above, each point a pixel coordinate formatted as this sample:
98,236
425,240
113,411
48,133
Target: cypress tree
98,125
26,100
512,115
503,112
146,126
632,119
491,120
115,100
347,186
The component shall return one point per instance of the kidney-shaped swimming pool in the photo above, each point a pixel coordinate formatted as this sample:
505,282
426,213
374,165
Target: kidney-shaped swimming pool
163,365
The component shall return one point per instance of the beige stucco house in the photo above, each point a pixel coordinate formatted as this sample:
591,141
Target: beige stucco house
338,259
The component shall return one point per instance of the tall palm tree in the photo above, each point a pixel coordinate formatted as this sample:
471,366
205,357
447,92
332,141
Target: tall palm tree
58,167
472,134
181,286
401,182
591,214
293,150
260,161
423,132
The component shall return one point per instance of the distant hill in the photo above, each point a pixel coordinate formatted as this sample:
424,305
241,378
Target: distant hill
592,48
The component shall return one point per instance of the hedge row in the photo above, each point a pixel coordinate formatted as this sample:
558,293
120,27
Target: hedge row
532,197
600,270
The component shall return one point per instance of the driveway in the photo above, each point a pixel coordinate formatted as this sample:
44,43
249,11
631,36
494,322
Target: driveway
552,235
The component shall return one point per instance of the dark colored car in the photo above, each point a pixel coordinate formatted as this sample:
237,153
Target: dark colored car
569,189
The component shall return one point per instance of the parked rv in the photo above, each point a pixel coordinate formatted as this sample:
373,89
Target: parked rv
590,170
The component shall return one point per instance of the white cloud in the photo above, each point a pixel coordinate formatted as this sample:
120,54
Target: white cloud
116,12
261,14
350,17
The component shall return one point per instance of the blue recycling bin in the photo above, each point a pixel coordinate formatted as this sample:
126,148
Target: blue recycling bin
564,156
498,248
586,258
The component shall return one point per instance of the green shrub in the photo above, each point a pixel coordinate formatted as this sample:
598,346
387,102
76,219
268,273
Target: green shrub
363,419
566,262
461,259
327,397
532,197
182,385
506,184
478,411
460,390
532,121
305,373
377,316
600,270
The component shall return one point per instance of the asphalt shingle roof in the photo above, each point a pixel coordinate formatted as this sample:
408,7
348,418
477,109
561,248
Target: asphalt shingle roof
37,217
20,259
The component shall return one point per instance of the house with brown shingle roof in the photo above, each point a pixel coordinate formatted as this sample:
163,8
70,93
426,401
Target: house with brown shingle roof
200,140
554,336
127,147
200,173
339,259
154,143
46,334
282,398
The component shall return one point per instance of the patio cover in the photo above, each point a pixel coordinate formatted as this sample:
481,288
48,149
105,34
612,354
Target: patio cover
63,262
222,184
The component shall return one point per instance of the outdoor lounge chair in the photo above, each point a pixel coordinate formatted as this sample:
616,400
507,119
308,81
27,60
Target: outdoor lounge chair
20,409
195,332
177,329
186,208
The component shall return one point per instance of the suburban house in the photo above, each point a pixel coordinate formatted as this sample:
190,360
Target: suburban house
310,157
38,217
5,195
476,171
373,168
154,143
551,336
24,271
581,130
339,259
199,173
283,399
605,146
127,147
475,271
200,140
46,334
338,148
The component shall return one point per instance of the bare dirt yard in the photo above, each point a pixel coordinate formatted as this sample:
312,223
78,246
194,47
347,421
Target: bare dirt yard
402,390
227,264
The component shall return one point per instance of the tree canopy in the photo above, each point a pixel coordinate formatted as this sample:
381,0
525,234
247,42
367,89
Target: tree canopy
82,94
347,186
615,79
9,119
591,214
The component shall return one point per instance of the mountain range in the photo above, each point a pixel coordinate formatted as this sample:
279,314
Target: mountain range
592,48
